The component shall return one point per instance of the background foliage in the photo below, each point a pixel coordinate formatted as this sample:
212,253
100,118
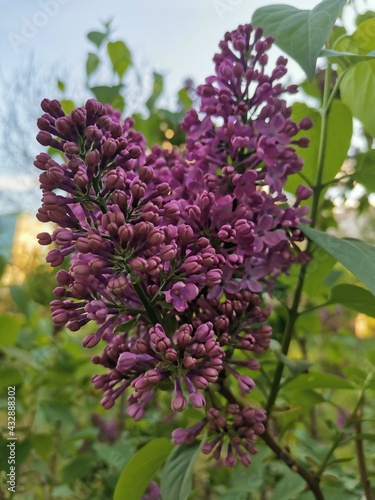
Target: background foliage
69,447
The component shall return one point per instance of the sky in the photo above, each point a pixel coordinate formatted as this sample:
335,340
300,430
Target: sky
174,37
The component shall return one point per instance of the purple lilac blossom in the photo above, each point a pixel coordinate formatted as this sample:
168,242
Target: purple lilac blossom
169,252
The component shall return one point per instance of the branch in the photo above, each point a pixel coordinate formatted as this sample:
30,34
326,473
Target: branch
361,455
281,453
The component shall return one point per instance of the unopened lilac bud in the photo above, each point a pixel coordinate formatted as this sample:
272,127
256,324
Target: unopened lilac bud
164,189
135,411
64,127
78,116
44,239
81,179
44,138
93,133
197,400
245,383
204,332
138,264
138,188
125,361
63,277
171,210
179,436
156,237
243,227
55,258
213,277
185,233
303,192
178,402
168,253
210,375
109,147
170,355
125,233
91,340
146,174
92,158
115,178
189,363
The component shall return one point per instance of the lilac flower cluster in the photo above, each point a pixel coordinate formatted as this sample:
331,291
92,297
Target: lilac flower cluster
169,254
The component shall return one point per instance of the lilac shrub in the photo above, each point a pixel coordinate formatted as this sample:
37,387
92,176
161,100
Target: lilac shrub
170,252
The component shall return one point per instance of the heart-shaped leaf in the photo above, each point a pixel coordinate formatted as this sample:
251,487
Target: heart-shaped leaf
300,33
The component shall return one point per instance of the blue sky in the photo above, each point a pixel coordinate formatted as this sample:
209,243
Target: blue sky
174,37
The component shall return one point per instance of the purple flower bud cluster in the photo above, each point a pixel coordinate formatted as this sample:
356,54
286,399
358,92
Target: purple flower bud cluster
230,434
169,253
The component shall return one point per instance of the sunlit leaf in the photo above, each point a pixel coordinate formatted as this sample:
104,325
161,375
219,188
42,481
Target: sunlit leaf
300,33
357,93
120,57
67,105
338,139
365,170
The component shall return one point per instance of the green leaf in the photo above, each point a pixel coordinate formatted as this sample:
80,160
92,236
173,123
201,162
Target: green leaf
157,89
105,94
317,270
365,170
127,325
43,444
96,37
176,478
9,376
357,93
60,85
370,14
317,380
67,106
354,297
300,33
362,40
139,471
92,63
120,57
345,59
289,486
296,366
339,134
185,99
21,299
9,329
78,468
358,257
